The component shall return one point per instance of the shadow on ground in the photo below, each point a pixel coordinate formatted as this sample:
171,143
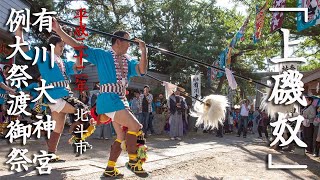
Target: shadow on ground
55,174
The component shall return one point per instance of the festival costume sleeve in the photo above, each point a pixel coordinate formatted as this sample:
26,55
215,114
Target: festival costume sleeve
90,53
30,87
103,59
1,79
33,93
132,68
69,65
49,74
31,53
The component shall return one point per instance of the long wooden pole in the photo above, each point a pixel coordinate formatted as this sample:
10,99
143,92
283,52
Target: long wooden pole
166,52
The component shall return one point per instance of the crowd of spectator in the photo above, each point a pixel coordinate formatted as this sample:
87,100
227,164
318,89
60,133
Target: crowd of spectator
242,120
173,111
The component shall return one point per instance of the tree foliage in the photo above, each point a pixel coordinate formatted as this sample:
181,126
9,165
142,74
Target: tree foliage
39,38
310,37
193,29
199,30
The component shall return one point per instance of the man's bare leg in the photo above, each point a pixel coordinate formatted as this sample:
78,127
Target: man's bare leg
55,135
60,119
115,151
69,109
126,118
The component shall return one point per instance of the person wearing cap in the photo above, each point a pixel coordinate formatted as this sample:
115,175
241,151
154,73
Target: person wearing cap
115,68
145,108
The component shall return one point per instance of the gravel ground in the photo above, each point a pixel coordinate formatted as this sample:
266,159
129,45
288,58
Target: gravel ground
197,156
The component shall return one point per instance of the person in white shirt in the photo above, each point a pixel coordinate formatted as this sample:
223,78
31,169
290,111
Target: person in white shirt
244,113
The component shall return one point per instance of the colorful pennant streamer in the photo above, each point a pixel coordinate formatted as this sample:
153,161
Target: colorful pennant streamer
240,34
260,15
222,61
277,17
313,14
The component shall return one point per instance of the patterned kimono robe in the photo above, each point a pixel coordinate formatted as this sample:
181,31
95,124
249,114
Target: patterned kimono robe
175,120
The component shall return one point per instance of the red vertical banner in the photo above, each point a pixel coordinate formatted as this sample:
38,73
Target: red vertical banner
277,17
260,15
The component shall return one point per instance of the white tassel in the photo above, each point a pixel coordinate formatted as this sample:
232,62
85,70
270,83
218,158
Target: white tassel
271,108
212,112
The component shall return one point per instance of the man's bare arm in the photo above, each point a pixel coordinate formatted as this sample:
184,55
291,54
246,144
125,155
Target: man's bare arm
143,64
67,39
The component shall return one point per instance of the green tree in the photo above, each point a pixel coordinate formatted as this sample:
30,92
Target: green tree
309,47
193,29
270,44
197,29
39,38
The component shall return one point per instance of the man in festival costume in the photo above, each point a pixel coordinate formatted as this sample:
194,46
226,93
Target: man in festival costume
59,78
114,71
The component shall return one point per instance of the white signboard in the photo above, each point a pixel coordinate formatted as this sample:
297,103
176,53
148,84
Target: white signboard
195,87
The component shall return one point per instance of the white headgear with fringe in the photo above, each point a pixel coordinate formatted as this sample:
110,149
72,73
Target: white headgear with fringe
211,112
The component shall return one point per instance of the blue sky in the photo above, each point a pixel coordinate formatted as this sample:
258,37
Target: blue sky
229,5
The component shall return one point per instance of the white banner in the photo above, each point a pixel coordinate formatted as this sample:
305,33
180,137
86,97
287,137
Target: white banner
231,81
170,88
195,87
